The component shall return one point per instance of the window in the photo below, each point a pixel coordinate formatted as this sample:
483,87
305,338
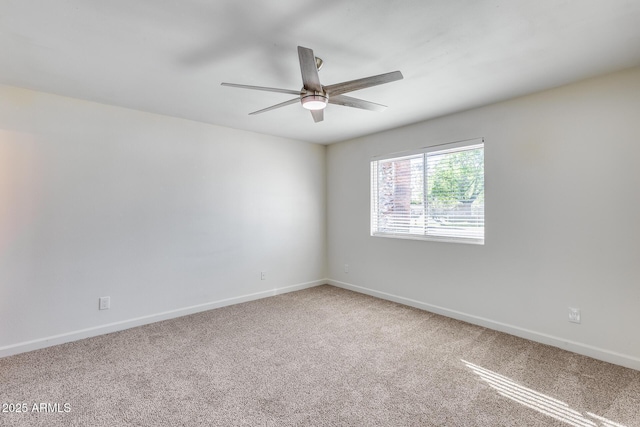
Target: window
435,193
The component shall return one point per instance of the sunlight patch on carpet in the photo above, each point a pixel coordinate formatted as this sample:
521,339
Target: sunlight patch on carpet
539,401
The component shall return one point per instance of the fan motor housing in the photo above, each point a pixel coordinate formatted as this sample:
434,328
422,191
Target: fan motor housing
314,100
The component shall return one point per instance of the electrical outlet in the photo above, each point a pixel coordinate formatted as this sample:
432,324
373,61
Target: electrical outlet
104,303
263,275
574,315
346,268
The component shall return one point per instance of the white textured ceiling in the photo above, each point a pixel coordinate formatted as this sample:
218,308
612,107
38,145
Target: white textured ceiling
169,56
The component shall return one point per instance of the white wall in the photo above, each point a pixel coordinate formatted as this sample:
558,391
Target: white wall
165,216
169,216
562,206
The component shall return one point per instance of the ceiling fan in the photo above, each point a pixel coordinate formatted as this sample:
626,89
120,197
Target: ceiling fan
314,96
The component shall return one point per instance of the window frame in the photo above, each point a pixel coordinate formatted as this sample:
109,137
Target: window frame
443,148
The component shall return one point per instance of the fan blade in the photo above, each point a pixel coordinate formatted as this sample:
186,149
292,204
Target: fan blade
267,89
350,86
318,115
309,70
273,107
348,101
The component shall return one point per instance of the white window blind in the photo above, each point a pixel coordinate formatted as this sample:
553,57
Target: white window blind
434,193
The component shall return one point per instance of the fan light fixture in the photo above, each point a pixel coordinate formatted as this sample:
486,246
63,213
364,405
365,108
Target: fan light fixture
314,96
314,102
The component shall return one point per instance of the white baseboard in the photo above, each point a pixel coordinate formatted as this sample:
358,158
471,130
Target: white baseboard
39,343
575,347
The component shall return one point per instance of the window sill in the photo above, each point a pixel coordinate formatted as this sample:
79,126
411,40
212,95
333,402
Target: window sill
468,241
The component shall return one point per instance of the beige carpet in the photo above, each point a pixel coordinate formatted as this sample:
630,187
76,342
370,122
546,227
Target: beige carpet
319,357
